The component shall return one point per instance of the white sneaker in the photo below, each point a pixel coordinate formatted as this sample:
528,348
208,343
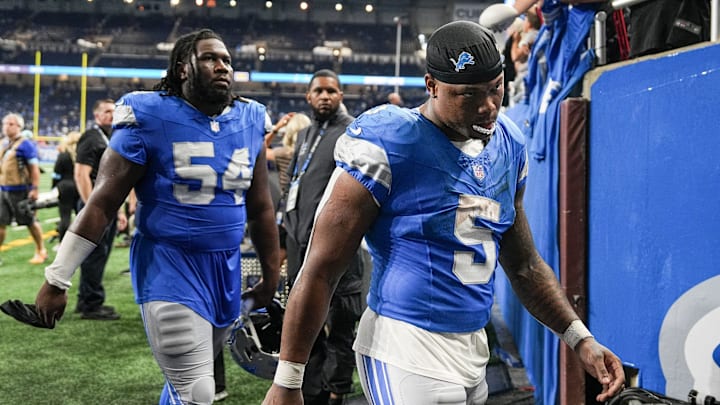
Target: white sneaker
220,396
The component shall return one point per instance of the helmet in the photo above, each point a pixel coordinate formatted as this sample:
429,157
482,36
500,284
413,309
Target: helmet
255,340
637,396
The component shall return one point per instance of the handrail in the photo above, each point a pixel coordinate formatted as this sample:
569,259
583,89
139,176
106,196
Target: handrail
599,39
618,4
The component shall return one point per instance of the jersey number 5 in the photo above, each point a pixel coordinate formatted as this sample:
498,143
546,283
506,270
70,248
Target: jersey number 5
237,175
471,207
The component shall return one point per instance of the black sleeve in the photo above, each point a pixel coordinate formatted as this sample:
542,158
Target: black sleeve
63,168
87,149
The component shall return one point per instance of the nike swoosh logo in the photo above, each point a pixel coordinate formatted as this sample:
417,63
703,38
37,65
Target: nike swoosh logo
355,131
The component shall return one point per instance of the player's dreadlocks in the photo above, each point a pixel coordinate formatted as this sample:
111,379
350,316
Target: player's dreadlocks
183,49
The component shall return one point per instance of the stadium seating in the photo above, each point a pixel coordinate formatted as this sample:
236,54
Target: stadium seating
131,41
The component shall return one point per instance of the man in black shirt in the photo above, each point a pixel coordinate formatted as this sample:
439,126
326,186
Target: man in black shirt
328,374
90,148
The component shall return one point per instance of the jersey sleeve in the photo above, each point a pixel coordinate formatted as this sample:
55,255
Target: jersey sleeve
361,153
523,168
126,139
84,154
28,151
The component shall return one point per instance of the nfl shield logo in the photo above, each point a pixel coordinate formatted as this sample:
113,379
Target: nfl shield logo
478,171
215,126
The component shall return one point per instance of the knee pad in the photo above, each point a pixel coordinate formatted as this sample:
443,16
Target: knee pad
202,391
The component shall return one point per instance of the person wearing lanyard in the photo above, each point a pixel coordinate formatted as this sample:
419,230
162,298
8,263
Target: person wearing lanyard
90,148
329,373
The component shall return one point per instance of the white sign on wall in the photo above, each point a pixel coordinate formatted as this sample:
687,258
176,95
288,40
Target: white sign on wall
468,11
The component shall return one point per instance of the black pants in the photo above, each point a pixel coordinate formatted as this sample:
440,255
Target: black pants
332,360
68,199
91,293
219,372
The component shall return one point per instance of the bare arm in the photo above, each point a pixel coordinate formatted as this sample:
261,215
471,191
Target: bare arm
518,53
336,236
532,279
82,181
276,128
116,177
263,232
339,228
538,289
523,5
34,181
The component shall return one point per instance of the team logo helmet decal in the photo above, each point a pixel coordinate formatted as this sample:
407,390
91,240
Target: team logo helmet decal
464,59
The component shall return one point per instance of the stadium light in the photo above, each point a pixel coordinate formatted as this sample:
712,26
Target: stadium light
174,3
268,4
84,43
369,8
233,3
199,3
338,6
304,5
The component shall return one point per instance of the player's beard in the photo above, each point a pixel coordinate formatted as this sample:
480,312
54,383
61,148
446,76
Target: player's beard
209,93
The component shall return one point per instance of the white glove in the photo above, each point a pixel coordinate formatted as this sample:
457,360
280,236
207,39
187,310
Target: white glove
498,17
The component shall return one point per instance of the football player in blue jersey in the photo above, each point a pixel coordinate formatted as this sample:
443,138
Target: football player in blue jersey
195,157
437,192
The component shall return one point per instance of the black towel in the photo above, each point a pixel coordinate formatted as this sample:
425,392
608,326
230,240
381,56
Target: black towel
25,313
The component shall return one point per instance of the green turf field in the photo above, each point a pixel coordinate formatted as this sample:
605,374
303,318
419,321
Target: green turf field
83,362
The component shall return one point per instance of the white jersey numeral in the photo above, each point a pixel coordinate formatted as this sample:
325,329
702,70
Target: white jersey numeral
237,175
471,207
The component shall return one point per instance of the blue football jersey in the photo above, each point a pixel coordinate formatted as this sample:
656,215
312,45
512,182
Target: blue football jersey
442,214
191,200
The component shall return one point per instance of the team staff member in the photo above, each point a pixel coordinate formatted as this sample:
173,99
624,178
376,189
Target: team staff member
331,365
90,148
437,192
194,155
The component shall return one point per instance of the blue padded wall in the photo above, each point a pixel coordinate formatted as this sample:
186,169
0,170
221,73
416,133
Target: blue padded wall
654,218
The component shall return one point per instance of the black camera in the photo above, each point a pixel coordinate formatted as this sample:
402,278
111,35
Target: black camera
45,200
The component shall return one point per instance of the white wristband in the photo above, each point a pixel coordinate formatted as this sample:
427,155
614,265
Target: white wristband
73,251
574,333
289,374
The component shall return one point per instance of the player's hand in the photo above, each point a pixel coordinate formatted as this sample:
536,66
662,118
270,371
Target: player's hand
602,364
261,294
33,194
278,395
122,222
50,303
285,119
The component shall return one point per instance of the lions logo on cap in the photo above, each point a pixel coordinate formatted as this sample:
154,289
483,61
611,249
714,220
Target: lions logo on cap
464,59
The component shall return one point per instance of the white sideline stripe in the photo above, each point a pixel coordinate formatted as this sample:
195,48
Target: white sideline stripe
23,227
